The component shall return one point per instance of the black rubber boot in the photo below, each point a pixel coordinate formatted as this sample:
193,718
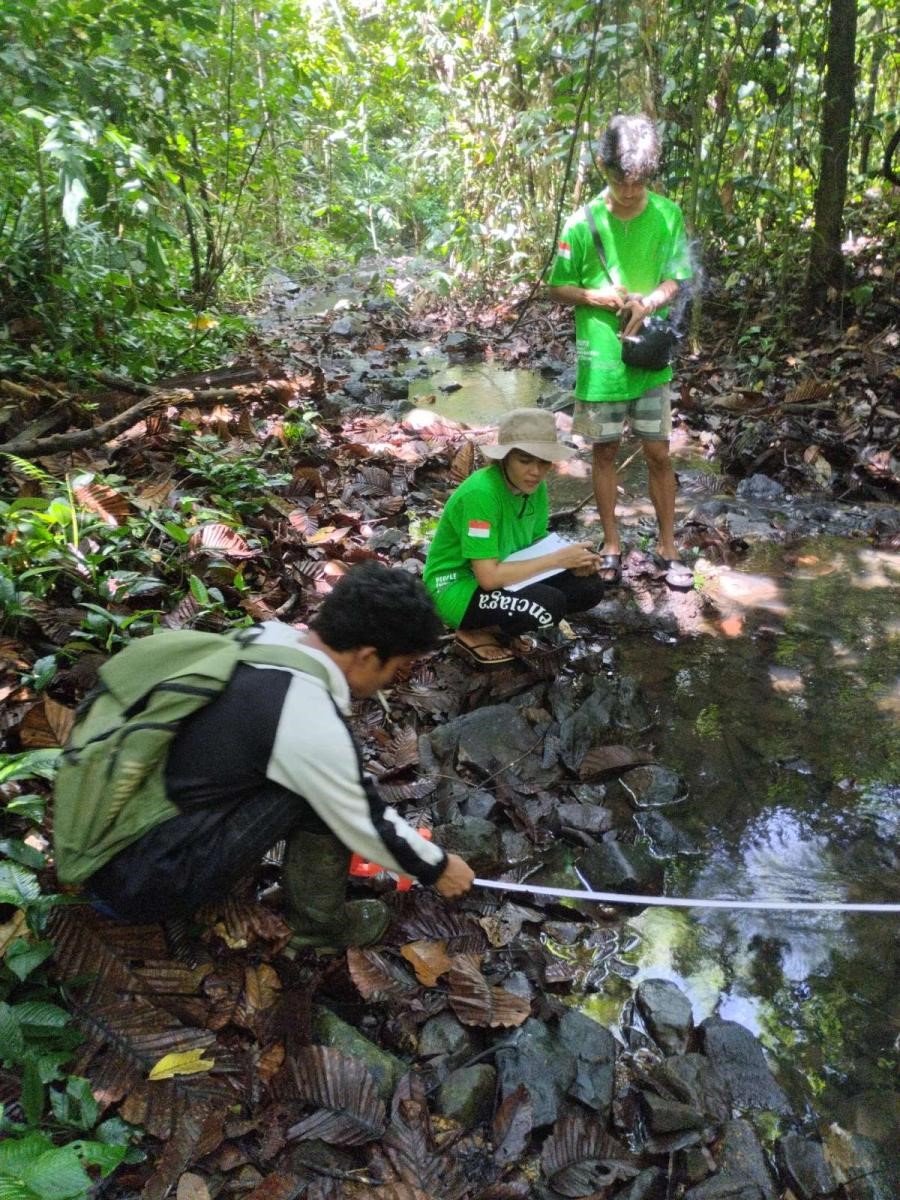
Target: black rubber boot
314,878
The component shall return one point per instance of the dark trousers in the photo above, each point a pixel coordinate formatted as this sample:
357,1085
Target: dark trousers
197,857
537,606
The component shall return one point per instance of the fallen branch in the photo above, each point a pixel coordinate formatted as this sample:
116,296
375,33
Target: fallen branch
82,438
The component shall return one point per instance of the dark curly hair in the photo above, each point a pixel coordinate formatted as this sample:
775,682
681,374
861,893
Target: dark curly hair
374,605
629,146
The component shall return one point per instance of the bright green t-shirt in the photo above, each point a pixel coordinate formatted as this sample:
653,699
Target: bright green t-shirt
482,519
640,254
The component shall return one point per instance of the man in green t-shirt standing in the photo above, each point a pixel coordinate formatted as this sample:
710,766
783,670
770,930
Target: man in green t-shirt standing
647,258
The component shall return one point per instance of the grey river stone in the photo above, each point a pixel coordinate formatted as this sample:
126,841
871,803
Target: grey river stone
653,786
667,1014
467,1095
741,1154
803,1164
739,1058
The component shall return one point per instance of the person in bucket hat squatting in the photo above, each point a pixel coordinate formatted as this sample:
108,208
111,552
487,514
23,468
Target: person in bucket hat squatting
267,757
498,510
647,258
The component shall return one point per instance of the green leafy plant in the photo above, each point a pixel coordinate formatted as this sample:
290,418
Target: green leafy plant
37,1038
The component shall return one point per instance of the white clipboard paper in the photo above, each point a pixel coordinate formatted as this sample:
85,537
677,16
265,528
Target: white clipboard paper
546,545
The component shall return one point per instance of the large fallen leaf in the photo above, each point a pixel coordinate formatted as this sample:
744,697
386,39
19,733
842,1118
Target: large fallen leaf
429,960
610,760
328,533
156,495
16,927
573,1157
349,1109
512,1127
261,987
463,462
476,1002
216,538
378,977
409,1144
99,498
187,1062
277,1187
48,724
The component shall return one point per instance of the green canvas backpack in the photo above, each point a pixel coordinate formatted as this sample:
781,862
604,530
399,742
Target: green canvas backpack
110,787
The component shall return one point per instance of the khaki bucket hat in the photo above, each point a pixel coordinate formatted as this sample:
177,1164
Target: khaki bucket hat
531,430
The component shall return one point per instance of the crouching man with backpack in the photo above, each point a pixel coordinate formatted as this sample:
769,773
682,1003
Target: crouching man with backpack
200,751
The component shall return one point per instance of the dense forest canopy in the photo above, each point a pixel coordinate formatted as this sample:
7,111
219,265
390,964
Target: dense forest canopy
159,155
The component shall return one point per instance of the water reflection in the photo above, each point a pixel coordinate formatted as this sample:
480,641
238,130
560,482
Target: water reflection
477,394
786,736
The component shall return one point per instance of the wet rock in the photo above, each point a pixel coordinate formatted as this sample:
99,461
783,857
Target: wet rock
694,1079
725,1187
344,327
488,740
653,786
534,1059
458,340
517,982
387,539
740,1061
760,487
741,1154
565,695
472,838
467,1095
665,839
695,1164
587,726
649,1185
615,867
577,1059
751,529
444,1034
589,793
658,1144
594,1050
804,1165
396,387
564,932
670,1116
478,804
860,1166
385,1069
514,847
667,1014
356,389
592,818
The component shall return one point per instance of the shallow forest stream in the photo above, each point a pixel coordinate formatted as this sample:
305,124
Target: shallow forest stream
780,716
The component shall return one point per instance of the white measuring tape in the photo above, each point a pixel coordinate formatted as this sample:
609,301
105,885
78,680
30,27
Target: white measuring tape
686,901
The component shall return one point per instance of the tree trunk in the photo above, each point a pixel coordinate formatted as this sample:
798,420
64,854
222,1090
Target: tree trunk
826,263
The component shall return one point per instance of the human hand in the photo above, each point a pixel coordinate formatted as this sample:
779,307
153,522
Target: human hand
609,297
456,878
578,557
632,316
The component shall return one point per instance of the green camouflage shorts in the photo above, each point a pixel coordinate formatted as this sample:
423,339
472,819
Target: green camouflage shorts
649,417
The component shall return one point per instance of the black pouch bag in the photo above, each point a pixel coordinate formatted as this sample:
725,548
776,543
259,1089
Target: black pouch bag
652,347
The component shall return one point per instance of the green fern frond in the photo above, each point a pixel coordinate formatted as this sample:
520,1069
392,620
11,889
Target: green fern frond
30,470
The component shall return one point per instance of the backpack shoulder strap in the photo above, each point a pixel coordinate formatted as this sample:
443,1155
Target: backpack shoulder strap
598,240
296,659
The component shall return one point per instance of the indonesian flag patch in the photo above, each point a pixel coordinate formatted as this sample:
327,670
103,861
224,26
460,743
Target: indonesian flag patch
480,529
563,249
